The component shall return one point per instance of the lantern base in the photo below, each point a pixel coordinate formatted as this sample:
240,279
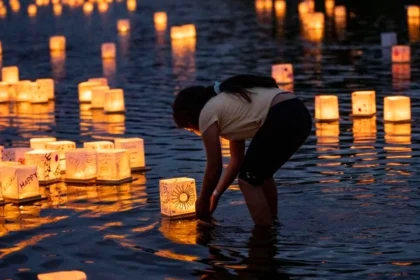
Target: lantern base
326,120
140,169
49,182
25,200
364,116
402,121
2,202
41,102
115,182
178,217
80,182
115,112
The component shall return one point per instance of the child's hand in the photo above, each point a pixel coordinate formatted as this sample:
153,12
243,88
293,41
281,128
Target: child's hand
214,200
202,207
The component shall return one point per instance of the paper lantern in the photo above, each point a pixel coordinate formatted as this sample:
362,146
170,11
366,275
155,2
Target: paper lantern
160,19
114,101
102,7
47,163
15,154
397,108
136,148
47,86
177,197
102,81
329,7
15,6
113,166
388,39
24,91
326,108
184,31
401,54
98,96
87,7
32,10
123,25
39,143
340,12
314,21
85,91
40,93
364,129
3,11
280,8
282,73
131,5
57,43
109,50
305,8
20,183
63,275
98,145
81,165
4,92
61,147
401,71
363,103
57,9
327,132
10,74
413,11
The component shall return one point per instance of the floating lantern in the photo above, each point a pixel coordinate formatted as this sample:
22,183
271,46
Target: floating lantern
388,39
280,8
282,73
47,86
109,50
24,91
123,25
177,197
10,74
4,92
326,107
81,165
114,101
63,275
305,8
184,31
39,143
113,166
401,54
364,129
61,147
314,21
397,108
413,11
401,71
3,11
15,6
160,19
15,154
329,7
189,30
47,163
32,9
57,43
98,96
136,148
20,183
102,81
98,145
131,5
102,7
327,132
85,91
340,12
363,103
87,7
40,93
57,9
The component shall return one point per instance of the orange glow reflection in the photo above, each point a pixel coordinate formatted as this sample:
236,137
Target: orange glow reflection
58,65
109,67
364,129
183,56
414,29
327,132
180,231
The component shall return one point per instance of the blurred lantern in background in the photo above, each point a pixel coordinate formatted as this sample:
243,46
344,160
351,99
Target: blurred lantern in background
397,109
282,73
326,108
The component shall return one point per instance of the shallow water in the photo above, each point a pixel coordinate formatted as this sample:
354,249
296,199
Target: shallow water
349,202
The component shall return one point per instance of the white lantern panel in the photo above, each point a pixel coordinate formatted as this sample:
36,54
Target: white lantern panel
19,182
47,163
113,165
61,147
39,143
177,197
136,148
99,145
81,164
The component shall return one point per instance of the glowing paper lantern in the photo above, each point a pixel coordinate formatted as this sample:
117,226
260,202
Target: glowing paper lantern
314,21
282,73
81,165
57,9
32,9
160,19
47,86
388,39
305,8
87,7
20,183
40,93
413,11
15,154
47,163
15,6
24,91
10,74
280,7
57,43
327,132
114,101
61,147
102,7
4,92
63,275
397,108
363,103
3,11
85,91
98,96
329,7
340,12
136,148
109,50
123,25
131,5
184,31
401,54
177,197
39,143
1,47
102,81
113,166
326,107
98,145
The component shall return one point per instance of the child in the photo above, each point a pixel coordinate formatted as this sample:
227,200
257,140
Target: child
240,108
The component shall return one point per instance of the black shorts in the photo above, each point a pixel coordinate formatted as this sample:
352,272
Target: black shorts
286,128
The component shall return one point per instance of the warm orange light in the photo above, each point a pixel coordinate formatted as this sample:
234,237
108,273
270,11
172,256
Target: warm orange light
113,165
109,50
24,91
364,129
329,7
57,9
413,11
327,132
4,92
57,43
401,54
81,165
326,108
282,73
10,74
397,133
114,101
32,9
414,29
98,96
98,145
3,11
177,197
183,31
305,8
46,85
136,148
103,7
61,147
401,71
123,25
39,143
340,12
183,54
102,81
85,91
280,7
40,93
314,21
55,2
87,7
47,163
131,5
397,108
15,6
160,18
363,103
63,275
20,182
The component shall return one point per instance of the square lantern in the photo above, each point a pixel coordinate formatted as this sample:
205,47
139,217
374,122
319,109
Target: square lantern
24,91
15,154
101,80
326,108
61,147
4,92
40,94
136,148
397,109
85,91
114,101
340,12
189,30
123,26
363,103
113,166
47,86
20,183
63,275
39,143
282,73
413,11
160,18
401,54
57,43
177,197
10,74
81,165
98,96
109,50
388,39
98,145
47,163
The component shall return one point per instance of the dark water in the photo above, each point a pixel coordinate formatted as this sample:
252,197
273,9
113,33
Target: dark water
349,205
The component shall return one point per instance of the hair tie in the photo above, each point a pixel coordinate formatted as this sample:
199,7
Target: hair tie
216,87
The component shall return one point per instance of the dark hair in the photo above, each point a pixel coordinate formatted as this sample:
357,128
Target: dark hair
190,101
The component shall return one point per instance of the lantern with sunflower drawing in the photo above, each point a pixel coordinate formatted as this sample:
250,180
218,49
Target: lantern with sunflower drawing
47,163
177,197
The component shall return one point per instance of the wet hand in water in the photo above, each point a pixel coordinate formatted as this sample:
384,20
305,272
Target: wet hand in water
214,200
202,209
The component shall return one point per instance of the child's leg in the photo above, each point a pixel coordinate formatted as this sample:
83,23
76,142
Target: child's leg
257,203
270,191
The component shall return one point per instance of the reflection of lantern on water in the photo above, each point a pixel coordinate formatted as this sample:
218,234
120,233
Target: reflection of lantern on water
32,9
108,50
401,54
81,165
87,7
98,96
109,68
136,148
98,145
131,5
327,132
180,231
329,7
4,92
10,74
61,147
340,12
364,129
114,101
282,73
23,108
85,91
24,91
397,108
20,183
103,7
71,274
388,39
363,103
39,143
115,123
280,7
123,25
397,133
47,163
113,166
183,55
225,147
414,29
326,108
177,197
15,154
46,85
55,194
3,11
57,64
413,11
57,43
57,9
401,72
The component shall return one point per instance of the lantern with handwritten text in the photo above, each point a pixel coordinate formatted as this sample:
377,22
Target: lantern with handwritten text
57,43
85,91
136,148
24,91
282,73
15,154
98,96
10,74
81,165
4,92
20,183
177,197
397,109
61,147
109,50
98,145
326,108
47,86
114,101
47,163
401,54
363,103
39,143
113,166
